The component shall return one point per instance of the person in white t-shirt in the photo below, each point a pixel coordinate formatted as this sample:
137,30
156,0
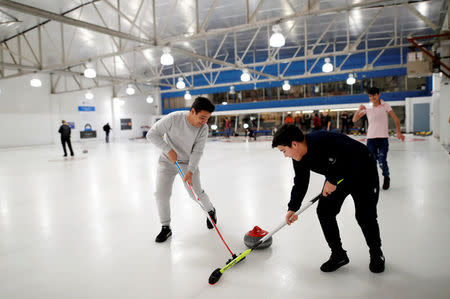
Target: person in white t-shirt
378,133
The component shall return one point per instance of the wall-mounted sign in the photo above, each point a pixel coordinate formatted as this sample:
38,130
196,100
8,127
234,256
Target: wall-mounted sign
88,132
125,123
86,108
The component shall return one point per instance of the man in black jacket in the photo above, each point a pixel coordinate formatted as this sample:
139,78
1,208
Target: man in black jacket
64,130
107,129
340,159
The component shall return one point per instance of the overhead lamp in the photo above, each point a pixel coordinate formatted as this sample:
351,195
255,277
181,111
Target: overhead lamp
149,99
327,67
232,91
245,77
286,85
277,39
166,58
224,103
180,83
351,79
130,90
214,127
90,73
89,95
35,82
245,126
187,95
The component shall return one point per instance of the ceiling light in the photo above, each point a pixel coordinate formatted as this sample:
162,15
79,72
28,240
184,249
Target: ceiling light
180,83
224,103
130,90
286,85
187,95
90,73
351,79
245,77
89,95
245,126
149,99
166,58
213,127
327,67
35,82
277,39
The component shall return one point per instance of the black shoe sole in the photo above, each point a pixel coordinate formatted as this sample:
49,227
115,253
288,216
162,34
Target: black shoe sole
340,264
161,240
376,270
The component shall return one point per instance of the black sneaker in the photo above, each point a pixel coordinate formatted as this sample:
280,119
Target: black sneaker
377,263
165,233
214,218
335,262
386,183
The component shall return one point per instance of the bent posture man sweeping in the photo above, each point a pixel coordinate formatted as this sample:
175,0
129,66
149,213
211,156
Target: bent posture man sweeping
339,158
185,134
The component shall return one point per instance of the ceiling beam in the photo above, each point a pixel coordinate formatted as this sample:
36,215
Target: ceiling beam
66,20
70,21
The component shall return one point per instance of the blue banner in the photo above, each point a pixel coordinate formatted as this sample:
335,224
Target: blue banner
86,108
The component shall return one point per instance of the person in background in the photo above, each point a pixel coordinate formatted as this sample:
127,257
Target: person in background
326,121
227,126
289,119
307,121
344,121
65,131
378,131
317,122
107,129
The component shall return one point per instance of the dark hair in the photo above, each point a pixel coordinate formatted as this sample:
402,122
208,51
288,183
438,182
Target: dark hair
202,103
286,134
374,90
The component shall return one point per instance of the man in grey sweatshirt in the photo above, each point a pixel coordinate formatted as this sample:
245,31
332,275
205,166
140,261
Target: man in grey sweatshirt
181,136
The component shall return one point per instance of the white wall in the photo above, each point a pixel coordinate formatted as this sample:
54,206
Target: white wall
138,110
32,116
444,104
25,112
65,107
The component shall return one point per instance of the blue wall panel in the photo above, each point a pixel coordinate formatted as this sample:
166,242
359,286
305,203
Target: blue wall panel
333,100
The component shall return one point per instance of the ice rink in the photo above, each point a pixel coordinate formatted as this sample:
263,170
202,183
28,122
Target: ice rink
85,227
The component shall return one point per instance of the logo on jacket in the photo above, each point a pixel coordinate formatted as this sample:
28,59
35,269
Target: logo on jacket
332,160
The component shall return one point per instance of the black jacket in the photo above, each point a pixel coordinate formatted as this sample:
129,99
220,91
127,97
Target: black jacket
106,128
65,131
336,156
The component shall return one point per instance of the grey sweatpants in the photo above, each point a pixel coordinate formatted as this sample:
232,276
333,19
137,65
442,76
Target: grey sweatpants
166,172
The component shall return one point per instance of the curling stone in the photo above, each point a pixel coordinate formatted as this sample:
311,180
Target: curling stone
252,237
